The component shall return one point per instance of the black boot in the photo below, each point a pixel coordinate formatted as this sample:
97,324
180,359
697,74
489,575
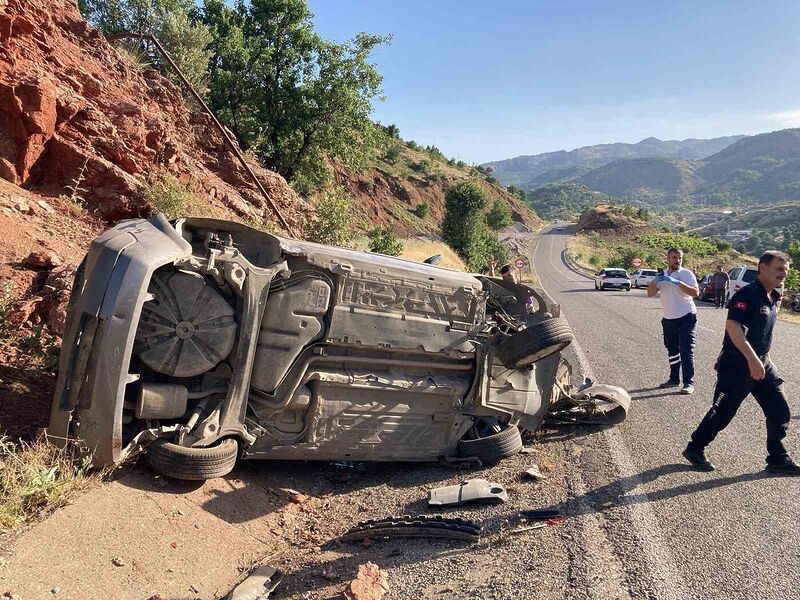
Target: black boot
698,459
784,467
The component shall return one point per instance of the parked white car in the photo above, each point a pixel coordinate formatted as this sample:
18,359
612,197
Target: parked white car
643,277
612,278
740,277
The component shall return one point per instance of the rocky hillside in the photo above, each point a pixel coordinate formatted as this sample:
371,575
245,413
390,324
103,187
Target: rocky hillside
77,113
390,192
611,221
540,169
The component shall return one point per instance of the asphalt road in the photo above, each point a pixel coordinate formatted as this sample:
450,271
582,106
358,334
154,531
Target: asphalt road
675,532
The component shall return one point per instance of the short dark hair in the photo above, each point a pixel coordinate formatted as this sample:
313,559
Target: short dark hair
676,250
505,269
771,255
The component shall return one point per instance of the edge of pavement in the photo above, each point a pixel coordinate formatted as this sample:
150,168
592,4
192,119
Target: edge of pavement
665,579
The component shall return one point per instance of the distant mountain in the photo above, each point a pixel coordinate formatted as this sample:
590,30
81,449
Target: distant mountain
523,170
645,179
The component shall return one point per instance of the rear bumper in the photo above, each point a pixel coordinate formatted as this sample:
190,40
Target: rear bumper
100,329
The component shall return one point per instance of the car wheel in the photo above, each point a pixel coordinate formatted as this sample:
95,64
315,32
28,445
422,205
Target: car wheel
492,448
628,289
193,464
534,343
636,285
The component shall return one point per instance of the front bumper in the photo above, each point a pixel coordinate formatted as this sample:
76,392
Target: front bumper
100,330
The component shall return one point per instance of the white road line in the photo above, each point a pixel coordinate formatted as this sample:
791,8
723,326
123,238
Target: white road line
667,579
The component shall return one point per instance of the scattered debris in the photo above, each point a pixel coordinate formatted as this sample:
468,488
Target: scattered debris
527,450
535,473
46,207
607,505
118,562
371,583
468,491
540,514
419,526
528,528
258,585
295,496
42,259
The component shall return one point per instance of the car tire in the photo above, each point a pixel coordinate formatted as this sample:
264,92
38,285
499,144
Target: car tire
636,285
628,289
192,464
534,343
493,448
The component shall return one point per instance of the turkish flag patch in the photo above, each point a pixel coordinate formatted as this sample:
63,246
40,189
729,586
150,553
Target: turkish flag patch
740,305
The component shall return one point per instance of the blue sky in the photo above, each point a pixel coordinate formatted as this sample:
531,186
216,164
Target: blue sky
491,80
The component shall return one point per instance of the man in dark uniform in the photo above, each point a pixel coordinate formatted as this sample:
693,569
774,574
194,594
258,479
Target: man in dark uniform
744,368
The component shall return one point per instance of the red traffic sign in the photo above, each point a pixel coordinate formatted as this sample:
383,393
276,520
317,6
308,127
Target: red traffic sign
636,262
519,262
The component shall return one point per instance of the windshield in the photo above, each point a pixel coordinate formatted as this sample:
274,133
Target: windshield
649,273
750,275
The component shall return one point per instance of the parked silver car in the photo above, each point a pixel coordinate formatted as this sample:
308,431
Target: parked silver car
202,340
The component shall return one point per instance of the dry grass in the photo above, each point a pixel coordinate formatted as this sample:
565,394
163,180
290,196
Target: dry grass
790,316
37,478
419,250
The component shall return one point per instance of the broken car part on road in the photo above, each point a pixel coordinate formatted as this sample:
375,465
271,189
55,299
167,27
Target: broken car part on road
471,491
419,526
258,585
203,341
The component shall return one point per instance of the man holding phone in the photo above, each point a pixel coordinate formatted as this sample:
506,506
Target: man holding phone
744,368
678,289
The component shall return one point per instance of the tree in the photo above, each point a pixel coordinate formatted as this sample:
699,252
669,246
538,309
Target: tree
793,251
333,221
384,241
170,21
465,229
294,97
499,216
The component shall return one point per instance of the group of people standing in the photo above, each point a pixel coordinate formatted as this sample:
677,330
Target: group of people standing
743,366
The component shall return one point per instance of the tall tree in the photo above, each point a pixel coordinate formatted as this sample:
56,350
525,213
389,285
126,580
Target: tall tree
287,93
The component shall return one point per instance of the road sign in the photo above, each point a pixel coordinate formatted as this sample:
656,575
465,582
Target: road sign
519,262
636,262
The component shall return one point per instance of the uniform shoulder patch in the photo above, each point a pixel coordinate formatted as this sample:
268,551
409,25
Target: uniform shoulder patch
739,305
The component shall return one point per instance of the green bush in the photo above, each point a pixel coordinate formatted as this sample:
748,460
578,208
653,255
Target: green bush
722,245
499,216
333,222
392,154
423,209
792,282
165,194
595,260
422,166
383,240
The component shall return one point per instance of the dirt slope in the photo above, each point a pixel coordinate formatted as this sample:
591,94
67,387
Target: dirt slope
73,109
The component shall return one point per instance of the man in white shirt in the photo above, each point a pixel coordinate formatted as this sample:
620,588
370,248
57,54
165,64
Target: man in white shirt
678,289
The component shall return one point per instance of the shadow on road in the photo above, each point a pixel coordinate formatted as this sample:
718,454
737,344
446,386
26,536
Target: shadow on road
624,491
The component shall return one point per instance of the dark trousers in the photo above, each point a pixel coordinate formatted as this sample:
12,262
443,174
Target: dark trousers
679,338
733,385
719,297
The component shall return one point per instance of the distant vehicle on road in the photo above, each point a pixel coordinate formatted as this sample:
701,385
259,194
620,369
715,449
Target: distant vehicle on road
612,278
643,277
559,229
707,291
